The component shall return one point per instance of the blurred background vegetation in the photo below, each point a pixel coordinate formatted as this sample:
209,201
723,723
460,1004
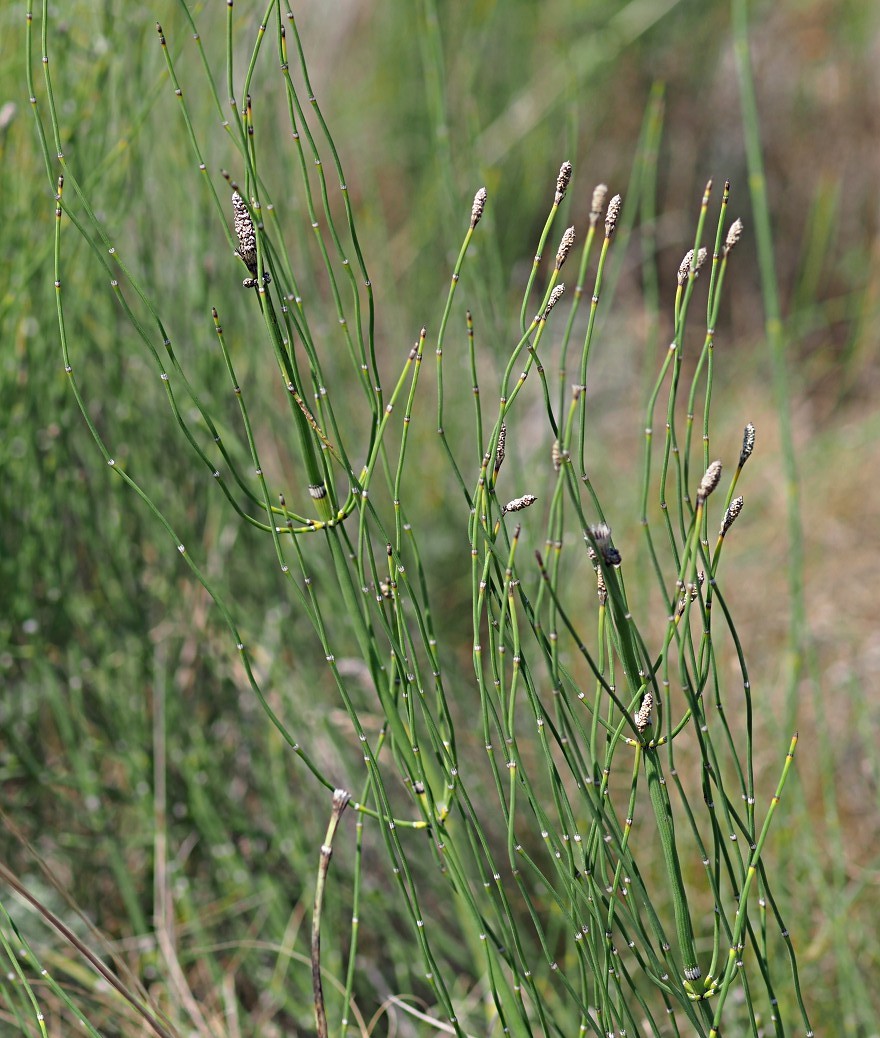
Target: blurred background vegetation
427,101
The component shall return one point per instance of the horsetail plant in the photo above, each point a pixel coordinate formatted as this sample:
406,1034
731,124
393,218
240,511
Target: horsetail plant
600,839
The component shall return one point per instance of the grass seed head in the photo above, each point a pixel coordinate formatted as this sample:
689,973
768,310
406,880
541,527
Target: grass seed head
748,444
478,207
733,235
555,296
562,182
601,589
643,716
710,480
566,244
244,231
692,591
685,266
730,515
519,503
556,456
690,266
612,215
600,193
500,449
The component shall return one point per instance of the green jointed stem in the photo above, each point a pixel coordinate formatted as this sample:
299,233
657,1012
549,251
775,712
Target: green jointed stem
536,262
663,815
716,279
573,309
343,187
365,369
261,32
441,334
742,900
585,351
